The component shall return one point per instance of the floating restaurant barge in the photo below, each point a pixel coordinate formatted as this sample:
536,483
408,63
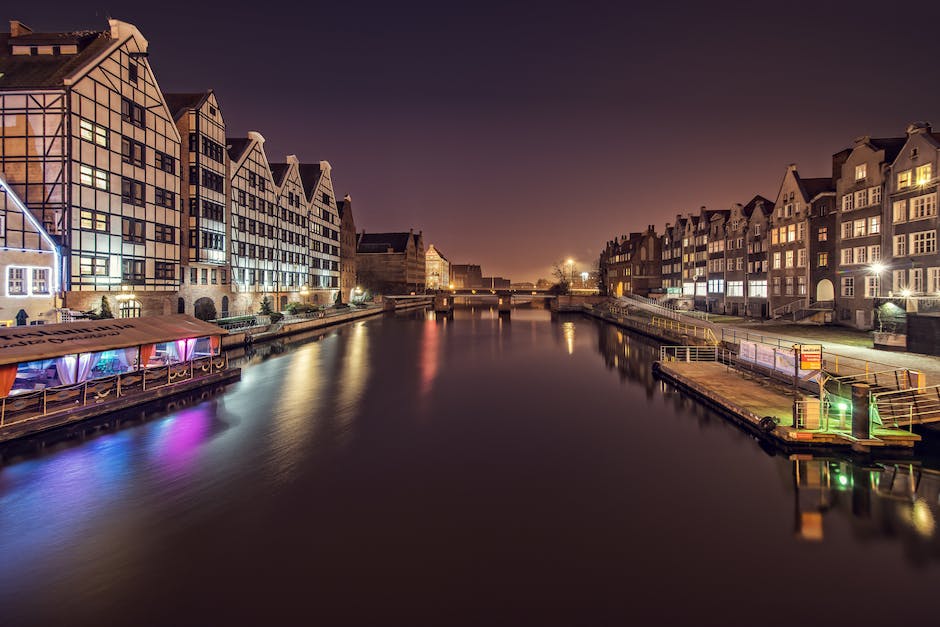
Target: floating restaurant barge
56,374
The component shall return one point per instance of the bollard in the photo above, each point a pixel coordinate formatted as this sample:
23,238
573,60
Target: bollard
861,415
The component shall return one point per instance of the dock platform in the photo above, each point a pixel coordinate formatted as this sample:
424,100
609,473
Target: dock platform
750,398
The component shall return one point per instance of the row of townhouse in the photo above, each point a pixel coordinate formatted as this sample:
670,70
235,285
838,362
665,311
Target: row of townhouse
831,246
142,196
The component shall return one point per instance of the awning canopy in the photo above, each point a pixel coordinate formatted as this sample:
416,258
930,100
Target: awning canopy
47,341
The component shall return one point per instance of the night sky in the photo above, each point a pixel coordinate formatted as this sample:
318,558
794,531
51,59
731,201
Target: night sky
515,134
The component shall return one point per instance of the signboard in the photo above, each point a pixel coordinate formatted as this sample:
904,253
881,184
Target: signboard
810,356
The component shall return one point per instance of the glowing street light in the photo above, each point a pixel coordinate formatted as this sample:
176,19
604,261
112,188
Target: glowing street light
877,267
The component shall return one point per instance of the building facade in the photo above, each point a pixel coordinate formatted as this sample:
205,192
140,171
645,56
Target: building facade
466,276
89,144
205,290
29,264
391,263
347,249
437,269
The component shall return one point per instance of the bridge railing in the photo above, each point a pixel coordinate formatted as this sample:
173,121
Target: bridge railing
694,353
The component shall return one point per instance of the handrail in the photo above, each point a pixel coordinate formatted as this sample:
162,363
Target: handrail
684,328
36,404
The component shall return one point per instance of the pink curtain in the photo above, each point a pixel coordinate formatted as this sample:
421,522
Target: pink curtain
7,378
185,348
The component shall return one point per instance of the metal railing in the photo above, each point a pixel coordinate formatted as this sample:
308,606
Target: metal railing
30,405
683,328
694,353
791,307
896,379
912,405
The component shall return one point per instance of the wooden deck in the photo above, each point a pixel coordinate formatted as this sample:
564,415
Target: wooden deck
749,398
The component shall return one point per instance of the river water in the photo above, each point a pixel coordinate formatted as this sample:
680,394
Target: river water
471,471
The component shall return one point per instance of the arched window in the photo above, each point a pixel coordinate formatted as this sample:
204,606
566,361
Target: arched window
130,309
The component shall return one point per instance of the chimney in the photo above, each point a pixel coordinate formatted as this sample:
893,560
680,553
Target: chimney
917,128
18,29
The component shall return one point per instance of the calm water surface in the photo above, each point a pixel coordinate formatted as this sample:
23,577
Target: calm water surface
474,471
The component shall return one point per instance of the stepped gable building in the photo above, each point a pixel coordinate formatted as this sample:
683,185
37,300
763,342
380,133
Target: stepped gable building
672,254
29,265
324,230
912,192
861,244
800,202
391,262
90,146
745,246
204,238
633,264
347,248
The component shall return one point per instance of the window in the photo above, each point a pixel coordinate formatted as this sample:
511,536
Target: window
822,234
791,233
900,245
848,256
861,198
801,231
91,132
130,309
774,237
164,271
132,152
848,202
93,220
204,277
874,195
214,151
872,286
923,174
822,260
789,259
164,198
164,162
788,286
93,266
214,276
923,207
847,230
132,72
775,286
16,281
861,171
801,258
133,231
874,225
923,243
874,253
736,288
904,179
215,182
848,287
917,280
132,112
193,276
859,228
900,280
860,255
132,192
132,271
757,289
801,285
164,233
40,281
899,208
93,177
933,280
326,199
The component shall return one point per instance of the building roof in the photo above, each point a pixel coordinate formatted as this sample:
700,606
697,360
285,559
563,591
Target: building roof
310,174
816,186
436,251
382,242
278,172
236,147
748,209
46,71
891,145
32,343
178,104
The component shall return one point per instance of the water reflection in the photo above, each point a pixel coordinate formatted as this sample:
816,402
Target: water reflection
895,500
881,499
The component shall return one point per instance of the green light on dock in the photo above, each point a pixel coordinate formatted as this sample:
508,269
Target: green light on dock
843,480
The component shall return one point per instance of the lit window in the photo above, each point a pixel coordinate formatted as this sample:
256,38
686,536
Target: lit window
40,283
93,266
16,281
848,287
899,211
923,243
924,174
904,179
861,171
923,207
93,220
92,132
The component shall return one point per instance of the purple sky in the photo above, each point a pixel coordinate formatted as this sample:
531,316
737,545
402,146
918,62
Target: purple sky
515,134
